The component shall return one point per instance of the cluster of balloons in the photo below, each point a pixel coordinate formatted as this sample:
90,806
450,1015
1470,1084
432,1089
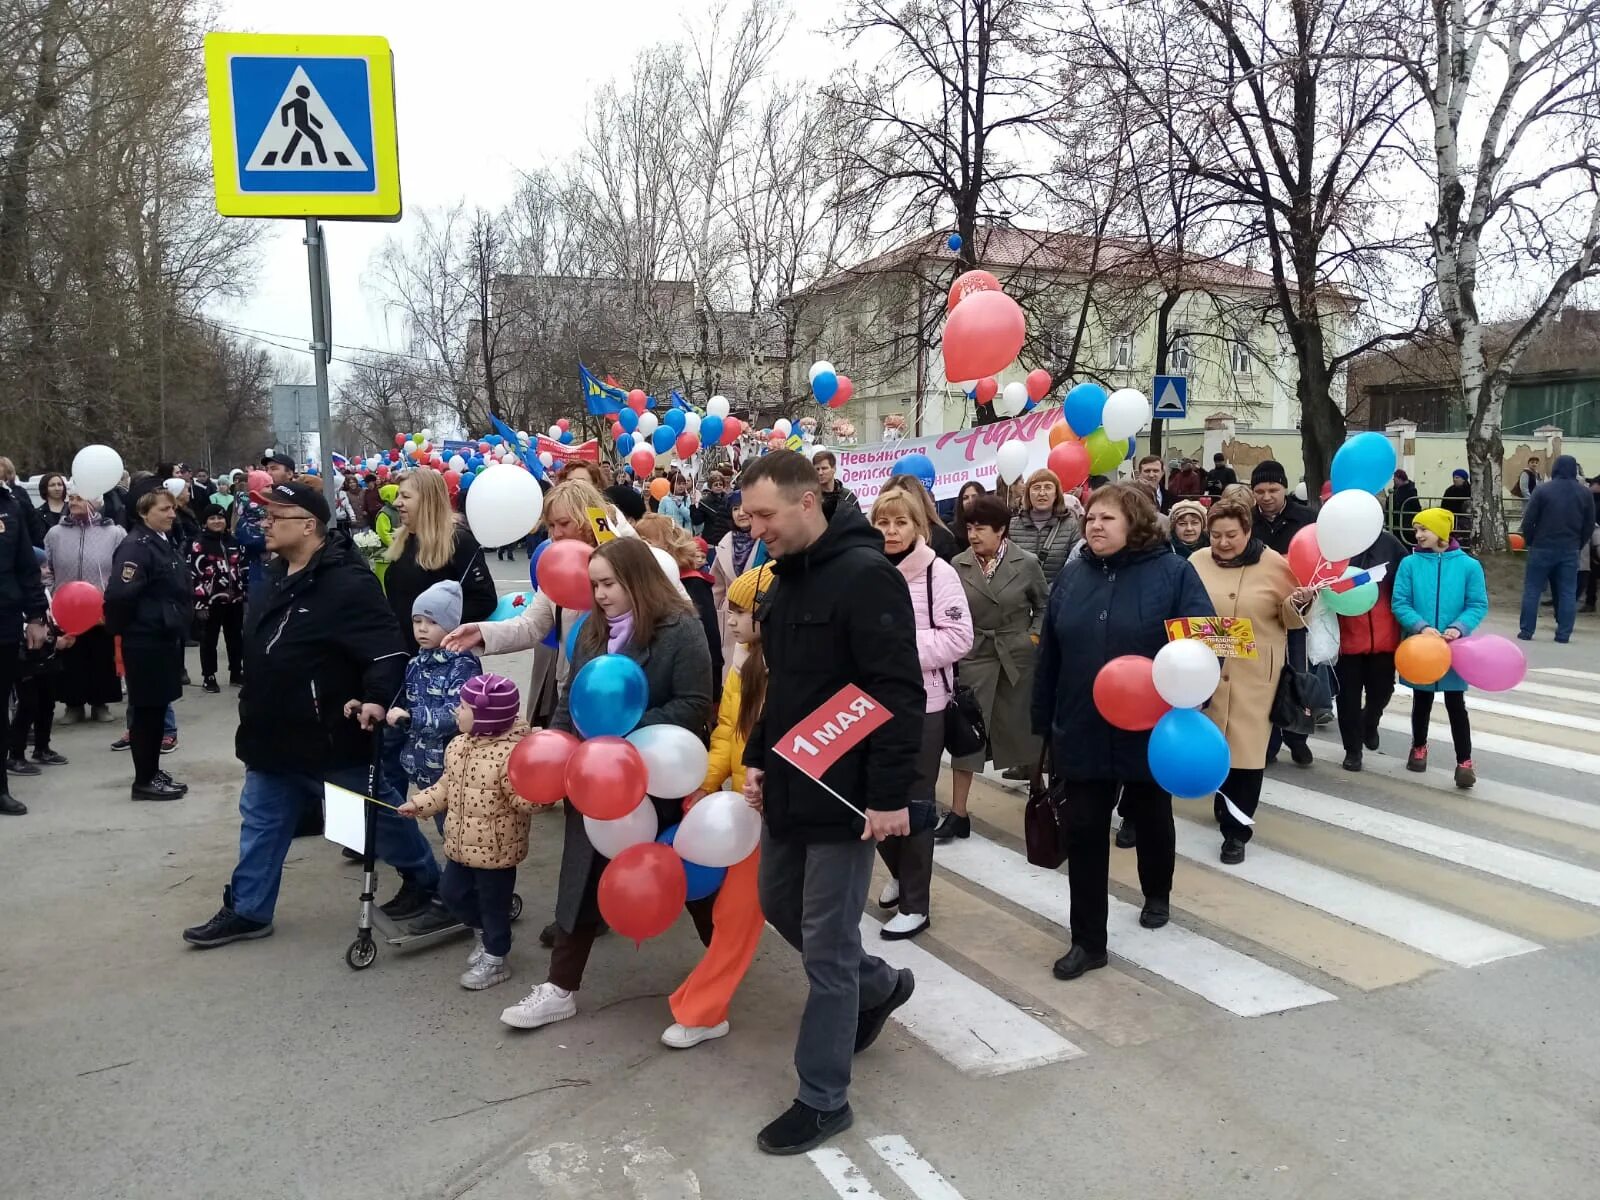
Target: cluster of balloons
1349,522
1016,398
1188,754
1487,661
828,387
644,440
1096,432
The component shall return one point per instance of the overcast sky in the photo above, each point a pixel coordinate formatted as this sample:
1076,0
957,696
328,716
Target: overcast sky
483,88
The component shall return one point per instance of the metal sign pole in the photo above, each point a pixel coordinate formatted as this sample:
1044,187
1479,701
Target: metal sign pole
317,262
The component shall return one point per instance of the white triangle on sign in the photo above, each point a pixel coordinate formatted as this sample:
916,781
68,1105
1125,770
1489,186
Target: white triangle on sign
1169,400
303,134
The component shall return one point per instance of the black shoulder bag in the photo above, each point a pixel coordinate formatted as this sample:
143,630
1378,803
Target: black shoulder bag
1043,822
964,729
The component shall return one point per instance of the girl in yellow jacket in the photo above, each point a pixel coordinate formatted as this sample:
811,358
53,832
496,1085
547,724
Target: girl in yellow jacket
700,1005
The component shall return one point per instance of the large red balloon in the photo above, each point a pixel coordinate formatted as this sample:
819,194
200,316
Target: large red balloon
563,573
78,607
983,336
1038,384
538,765
636,400
1306,561
617,430
986,390
968,283
732,427
606,778
642,890
643,461
842,394
687,444
1070,462
1125,693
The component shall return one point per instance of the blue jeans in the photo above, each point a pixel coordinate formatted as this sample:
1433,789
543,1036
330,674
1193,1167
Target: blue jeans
169,723
269,809
1558,569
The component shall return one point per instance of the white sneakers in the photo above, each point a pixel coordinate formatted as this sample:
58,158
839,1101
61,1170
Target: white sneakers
477,948
890,896
488,970
682,1037
545,1005
904,925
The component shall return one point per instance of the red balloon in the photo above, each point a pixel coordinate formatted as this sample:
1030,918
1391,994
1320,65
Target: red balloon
1070,462
1038,384
537,767
732,427
968,283
563,573
687,444
400,439
841,397
78,607
617,430
1306,561
483,447
606,777
394,456
983,335
642,891
643,461
563,423
452,479
1125,693
636,399
986,390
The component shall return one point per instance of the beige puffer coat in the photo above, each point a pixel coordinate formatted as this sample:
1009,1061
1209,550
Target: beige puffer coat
486,823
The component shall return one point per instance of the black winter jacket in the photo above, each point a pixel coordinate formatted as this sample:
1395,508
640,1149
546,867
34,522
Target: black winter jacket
840,614
148,597
21,588
1100,609
1560,514
1277,532
406,579
312,641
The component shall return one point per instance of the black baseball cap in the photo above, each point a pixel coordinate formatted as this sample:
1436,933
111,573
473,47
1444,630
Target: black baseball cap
300,495
279,457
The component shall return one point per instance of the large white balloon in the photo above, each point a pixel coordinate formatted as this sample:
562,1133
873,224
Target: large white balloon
1125,413
555,431
817,368
691,423
648,423
611,838
719,831
547,458
1012,461
1011,400
674,757
503,505
1186,672
717,406
95,471
1350,521
782,427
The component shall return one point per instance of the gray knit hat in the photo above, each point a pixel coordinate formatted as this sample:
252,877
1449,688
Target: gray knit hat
441,604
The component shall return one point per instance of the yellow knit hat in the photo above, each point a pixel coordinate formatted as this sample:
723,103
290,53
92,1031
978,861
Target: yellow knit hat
747,590
1438,521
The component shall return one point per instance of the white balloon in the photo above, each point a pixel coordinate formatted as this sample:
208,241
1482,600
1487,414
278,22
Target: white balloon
674,757
782,426
648,423
1125,413
547,458
717,406
1011,400
611,838
457,463
668,564
1300,491
817,368
1186,672
503,505
691,423
95,471
426,434
555,431
719,831
1350,521
174,487
1012,461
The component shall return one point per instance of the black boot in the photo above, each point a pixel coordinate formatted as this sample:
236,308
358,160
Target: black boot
1127,834
10,806
1076,961
951,827
209,684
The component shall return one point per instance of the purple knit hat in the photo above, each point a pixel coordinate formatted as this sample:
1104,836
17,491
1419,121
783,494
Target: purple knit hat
494,701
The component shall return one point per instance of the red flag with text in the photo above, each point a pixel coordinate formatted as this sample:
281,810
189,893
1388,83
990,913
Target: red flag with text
839,725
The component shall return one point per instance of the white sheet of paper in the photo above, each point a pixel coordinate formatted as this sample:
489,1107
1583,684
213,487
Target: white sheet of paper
344,817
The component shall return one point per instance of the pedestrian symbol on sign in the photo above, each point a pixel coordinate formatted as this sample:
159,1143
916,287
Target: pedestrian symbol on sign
303,134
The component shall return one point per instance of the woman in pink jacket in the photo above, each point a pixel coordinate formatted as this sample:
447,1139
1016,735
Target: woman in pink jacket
944,635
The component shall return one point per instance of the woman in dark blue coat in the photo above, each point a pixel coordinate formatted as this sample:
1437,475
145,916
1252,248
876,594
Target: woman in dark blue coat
1113,599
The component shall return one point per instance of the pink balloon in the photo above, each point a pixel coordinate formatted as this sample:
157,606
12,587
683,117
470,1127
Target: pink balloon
842,396
1488,662
983,335
564,424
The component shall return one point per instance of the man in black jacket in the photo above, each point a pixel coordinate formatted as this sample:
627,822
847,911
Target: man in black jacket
712,513
323,663
21,601
840,614
1279,516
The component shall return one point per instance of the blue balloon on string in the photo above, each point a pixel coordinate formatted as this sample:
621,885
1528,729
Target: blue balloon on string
533,562
954,241
675,418
1188,755
494,439
625,445
1084,408
466,481
919,465
566,437
649,401
628,419
1131,448
1365,463
663,438
710,430
703,881
608,696
572,636
824,386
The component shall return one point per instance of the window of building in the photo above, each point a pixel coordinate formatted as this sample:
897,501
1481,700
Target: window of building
1180,354
1240,356
1122,352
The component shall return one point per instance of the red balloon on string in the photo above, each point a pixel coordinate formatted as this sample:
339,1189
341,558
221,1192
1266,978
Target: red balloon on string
1306,561
563,424
617,430
1070,462
966,284
983,335
687,444
986,390
732,427
537,767
606,778
483,447
78,607
643,461
1038,384
452,480
842,395
563,573
400,439
1125,693
636,399
642,891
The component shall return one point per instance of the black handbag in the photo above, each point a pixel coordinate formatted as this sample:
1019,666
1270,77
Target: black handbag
1043,823
965,731
1302,694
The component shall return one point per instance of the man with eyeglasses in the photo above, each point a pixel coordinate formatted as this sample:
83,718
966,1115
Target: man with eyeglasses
323,663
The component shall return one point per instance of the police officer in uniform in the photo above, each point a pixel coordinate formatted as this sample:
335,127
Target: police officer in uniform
22,601
147,603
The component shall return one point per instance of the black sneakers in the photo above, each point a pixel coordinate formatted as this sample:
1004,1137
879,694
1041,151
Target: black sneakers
410,902
209,684
872,1020
803,1128
158,789
21,766
227,926
49,758
1232,851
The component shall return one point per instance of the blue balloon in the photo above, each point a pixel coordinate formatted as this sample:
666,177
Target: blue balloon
663,438
710,430
466,481
825,386
533,562
919,465
625,445
628,419
675,418
1132,448
703,881
312,470
954,241
494,439
1188,754
512,604
1084,408
1365,463
572,636
608,696
649,401
549,642
566,437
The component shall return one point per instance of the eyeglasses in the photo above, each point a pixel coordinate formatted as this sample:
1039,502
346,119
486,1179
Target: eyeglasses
269,519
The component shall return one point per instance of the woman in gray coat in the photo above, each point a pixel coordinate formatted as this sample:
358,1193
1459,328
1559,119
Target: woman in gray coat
1045,527
1007,594
637,612
80,549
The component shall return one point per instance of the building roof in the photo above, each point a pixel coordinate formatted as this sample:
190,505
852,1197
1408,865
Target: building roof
1567,346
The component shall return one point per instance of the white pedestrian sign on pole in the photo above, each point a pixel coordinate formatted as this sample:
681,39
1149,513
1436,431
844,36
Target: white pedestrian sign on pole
1171,394
302,134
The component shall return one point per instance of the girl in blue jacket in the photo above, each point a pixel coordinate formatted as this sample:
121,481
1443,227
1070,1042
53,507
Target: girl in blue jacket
1439,589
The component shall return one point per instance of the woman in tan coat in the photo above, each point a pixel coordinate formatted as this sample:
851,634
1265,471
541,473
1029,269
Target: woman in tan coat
1246,579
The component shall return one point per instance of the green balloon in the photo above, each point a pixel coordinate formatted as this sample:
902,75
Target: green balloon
1104,454
1355,602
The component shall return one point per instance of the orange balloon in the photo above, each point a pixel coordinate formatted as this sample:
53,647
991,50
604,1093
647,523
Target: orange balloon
1062,432
1422,658
659,488
1517,541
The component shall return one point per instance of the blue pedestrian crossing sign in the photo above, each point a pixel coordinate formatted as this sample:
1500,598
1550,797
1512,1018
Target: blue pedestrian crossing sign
1170,394
303,126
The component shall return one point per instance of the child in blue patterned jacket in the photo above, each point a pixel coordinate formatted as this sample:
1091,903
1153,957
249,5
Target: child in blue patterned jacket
433,685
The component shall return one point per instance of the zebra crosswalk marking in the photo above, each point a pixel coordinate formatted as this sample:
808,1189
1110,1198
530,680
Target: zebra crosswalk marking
1501,743
1561,810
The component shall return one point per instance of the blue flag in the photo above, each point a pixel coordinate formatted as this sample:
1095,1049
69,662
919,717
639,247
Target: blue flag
600,398
529,458
679,402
